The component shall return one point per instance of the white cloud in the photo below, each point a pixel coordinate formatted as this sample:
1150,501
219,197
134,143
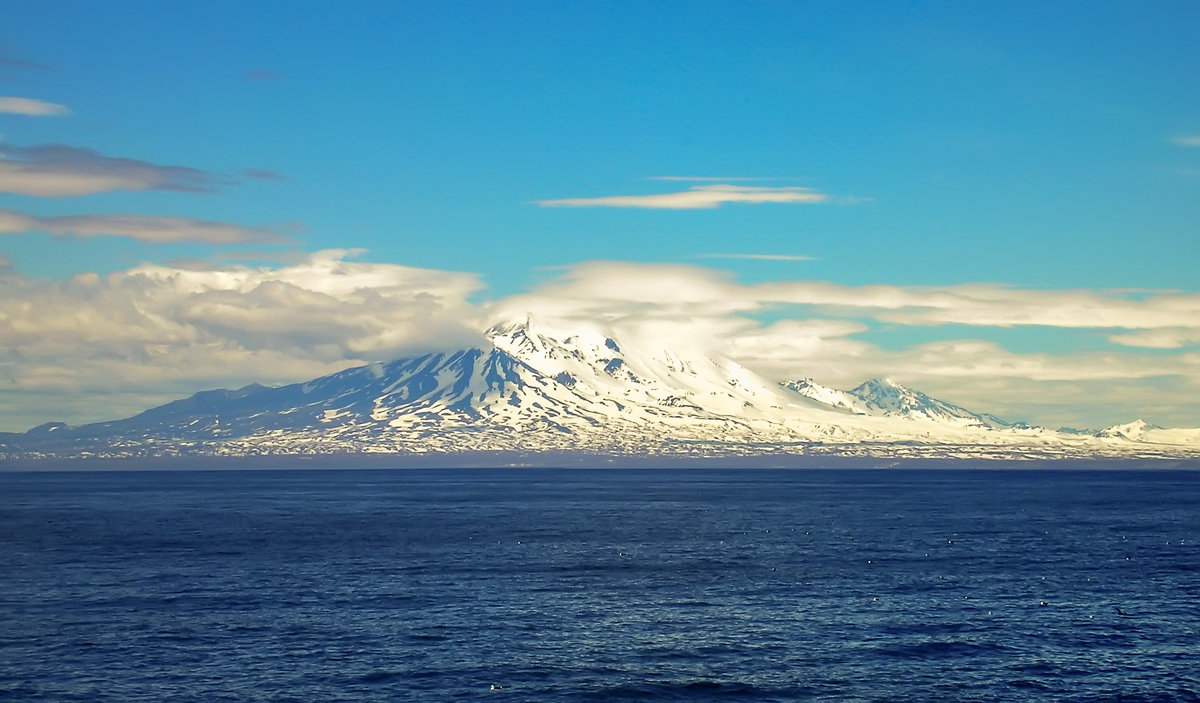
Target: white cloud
674,305
57,171
596,285
153,230
704,197
1080,389
820,348
155,333
990,306
12,222
31,108
1187,140
1170,338
1077,389
653,302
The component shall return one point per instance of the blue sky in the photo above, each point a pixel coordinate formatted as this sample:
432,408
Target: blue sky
930,148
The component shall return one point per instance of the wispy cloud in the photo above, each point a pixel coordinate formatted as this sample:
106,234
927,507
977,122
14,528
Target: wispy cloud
755,257
57,170
1187,140
10,66
31,108
153,230
1168,338
612,285
697,198
8,61
262,75
259,174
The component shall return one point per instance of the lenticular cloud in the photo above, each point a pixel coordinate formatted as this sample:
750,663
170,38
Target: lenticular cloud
703,197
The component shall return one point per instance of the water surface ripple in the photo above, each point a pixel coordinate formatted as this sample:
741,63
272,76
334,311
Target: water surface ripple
600,585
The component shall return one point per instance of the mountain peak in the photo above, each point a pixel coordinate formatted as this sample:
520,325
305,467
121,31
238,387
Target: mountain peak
1130,430
551,328
888,397
881,383
510,327
888,394
799,383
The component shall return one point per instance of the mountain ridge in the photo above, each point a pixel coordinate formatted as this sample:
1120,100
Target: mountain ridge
535,389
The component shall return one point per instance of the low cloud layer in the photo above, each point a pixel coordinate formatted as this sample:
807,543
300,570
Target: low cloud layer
154,333
703,197
58,171
607,286
152,230
98,347
822,333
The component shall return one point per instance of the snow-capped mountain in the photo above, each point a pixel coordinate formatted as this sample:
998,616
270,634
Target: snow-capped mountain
539,389
889,398
1143,432
1135,430
831,397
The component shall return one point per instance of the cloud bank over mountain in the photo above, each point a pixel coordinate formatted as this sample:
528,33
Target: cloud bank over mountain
95,347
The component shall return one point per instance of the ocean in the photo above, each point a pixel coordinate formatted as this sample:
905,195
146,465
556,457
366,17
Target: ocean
608,585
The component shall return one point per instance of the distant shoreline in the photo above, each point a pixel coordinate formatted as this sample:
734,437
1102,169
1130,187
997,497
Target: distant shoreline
502,460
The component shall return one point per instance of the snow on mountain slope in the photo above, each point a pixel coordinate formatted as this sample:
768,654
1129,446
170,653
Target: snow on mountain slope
885,398
892,399
595,365
830,396
1135,430
1142,431
536,388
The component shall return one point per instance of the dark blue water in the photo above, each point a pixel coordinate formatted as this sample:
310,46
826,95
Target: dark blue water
599,585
